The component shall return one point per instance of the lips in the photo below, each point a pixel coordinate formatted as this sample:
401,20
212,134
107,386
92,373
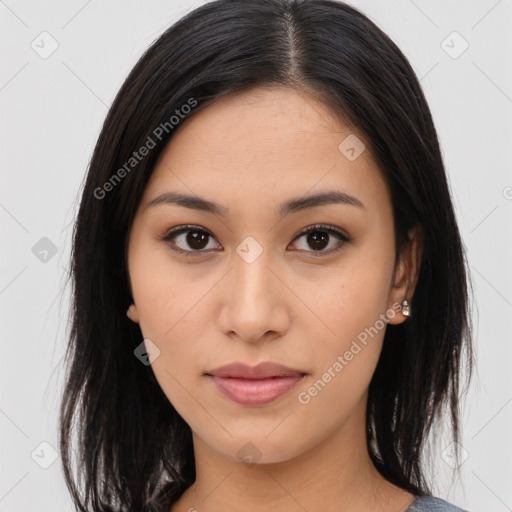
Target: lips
261,371
253,386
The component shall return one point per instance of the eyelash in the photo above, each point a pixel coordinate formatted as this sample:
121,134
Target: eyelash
317,227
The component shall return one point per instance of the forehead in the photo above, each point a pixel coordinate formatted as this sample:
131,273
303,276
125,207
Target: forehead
277,141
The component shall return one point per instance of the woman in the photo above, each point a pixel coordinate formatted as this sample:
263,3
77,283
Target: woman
270,290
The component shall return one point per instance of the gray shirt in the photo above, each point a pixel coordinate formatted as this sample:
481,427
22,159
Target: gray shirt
431,504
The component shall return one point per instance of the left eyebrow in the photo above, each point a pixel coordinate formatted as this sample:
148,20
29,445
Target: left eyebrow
290,206
319,199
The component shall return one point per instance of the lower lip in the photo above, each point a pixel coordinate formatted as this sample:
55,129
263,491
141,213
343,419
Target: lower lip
255,391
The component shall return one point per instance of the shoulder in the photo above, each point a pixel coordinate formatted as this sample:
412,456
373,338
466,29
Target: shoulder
432,504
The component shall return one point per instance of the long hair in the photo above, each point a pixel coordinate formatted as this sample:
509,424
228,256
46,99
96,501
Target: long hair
131,448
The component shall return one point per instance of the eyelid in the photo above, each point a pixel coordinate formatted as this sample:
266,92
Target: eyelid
329,229
325,227
178,230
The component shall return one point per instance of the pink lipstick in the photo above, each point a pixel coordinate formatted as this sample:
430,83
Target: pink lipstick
258,385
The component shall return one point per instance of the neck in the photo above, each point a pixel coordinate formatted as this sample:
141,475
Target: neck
335,475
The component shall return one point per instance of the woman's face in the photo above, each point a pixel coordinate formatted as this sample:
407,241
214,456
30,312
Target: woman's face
247,287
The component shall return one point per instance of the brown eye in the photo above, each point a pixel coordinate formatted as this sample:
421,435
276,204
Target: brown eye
188,239
319,237
318,240
197,239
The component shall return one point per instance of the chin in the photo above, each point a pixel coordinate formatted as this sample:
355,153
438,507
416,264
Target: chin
259,450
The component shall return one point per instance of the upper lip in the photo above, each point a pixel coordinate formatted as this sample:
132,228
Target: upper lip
261,371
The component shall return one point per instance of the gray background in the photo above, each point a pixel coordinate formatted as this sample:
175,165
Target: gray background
52,110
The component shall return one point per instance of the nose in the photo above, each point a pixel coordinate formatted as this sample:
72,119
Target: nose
254,307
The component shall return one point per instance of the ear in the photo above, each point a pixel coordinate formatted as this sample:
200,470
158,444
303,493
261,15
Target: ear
405,275
132,313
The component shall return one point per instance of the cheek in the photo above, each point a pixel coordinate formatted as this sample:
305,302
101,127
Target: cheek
173,312
172,315
165,293
352,308
344,361
353,300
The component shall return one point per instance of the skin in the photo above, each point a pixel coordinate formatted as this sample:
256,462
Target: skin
250,152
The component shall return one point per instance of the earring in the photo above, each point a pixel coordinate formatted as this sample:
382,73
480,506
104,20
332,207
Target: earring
406,308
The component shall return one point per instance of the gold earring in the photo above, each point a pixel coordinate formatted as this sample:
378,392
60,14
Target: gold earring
406,308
